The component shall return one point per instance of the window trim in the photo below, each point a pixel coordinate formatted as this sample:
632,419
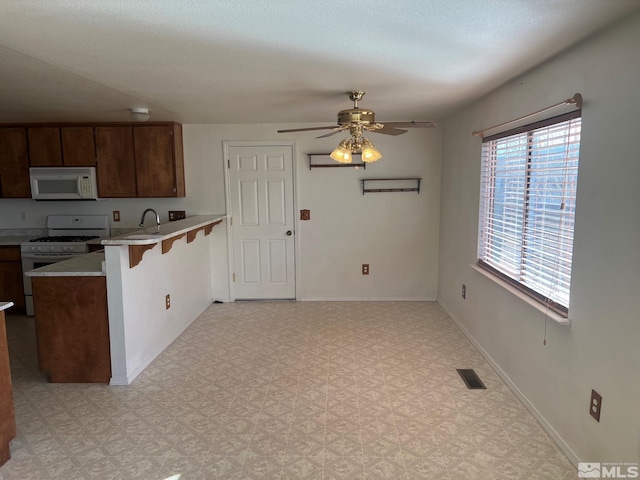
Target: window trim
529,128
533,303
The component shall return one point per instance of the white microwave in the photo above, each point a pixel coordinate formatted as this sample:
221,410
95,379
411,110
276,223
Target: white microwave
63,183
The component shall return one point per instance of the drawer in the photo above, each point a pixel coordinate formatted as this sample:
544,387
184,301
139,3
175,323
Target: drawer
9,253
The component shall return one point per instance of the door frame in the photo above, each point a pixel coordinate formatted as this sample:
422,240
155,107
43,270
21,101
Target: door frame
226,144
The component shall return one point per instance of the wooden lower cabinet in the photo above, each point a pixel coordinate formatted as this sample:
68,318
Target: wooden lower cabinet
72,328
11,285
7,417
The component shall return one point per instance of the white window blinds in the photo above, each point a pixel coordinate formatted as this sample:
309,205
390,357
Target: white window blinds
527,207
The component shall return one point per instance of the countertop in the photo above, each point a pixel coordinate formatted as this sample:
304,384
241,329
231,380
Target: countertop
5,305
16,236
9,240
89,265
167,230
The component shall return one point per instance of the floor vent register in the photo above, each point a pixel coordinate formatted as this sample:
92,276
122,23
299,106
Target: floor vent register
471,378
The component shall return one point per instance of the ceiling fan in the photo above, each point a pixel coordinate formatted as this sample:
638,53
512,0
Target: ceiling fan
358,121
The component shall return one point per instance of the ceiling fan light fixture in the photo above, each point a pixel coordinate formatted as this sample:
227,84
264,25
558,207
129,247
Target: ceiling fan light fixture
358,121
342,153
369,152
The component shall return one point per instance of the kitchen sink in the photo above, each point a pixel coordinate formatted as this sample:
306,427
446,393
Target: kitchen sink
144,236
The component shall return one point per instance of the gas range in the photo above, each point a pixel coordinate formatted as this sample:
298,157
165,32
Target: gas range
67,237
58,244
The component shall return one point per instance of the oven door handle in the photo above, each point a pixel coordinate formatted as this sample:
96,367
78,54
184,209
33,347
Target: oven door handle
48,258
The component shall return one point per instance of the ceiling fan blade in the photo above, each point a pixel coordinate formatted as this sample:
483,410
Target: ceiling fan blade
412,124
337,130
389,130
308,129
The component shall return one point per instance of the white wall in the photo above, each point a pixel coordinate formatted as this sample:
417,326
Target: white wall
140,327
600,349
396,233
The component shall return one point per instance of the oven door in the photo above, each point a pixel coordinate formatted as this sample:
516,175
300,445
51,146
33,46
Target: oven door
36,260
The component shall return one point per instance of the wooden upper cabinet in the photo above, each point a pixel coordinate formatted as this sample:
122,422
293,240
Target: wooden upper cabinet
45,149
159,161
131,160
14,163
116,166
78,146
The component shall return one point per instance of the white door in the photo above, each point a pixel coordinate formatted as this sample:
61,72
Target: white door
262,228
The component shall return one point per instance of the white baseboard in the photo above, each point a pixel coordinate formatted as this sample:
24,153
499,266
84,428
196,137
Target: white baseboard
365,299
555,436
118,381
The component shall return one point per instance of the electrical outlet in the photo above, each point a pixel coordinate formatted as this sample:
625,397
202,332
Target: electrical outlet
596,405
116,215
464,291
365,269
177,215
167,301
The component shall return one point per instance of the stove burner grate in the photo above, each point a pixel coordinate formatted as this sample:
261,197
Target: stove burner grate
65,238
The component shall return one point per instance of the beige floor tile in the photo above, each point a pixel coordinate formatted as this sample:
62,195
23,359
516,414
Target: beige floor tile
284,390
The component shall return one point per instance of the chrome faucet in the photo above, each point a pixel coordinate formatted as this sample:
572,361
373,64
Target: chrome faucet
157,219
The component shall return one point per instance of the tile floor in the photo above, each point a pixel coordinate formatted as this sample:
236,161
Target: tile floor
285,390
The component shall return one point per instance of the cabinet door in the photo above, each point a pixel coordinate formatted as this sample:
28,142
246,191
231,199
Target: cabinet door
78,146
44,147
116,166
14,164
155,168
7,415
11,288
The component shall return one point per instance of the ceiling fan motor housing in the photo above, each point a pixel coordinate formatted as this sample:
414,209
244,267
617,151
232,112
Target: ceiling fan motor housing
356,115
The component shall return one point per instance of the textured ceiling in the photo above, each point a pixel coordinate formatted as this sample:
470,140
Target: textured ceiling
274,61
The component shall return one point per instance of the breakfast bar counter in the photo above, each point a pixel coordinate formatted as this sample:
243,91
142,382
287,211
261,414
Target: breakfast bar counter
153,235
141,241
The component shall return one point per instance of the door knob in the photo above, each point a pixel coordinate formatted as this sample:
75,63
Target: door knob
289,232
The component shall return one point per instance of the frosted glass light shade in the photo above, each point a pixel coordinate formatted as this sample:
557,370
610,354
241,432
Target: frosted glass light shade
369,152
342,153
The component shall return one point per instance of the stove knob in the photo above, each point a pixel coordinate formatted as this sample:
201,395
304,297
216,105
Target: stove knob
52,249
39,249
66,249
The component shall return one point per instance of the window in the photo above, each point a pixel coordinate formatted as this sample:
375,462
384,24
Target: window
527,207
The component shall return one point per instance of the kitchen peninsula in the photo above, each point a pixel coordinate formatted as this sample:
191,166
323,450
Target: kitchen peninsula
157,282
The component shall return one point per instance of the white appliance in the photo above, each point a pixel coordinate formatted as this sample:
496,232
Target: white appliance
62,183
67,237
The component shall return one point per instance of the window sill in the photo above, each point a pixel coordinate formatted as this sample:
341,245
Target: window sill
537,305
